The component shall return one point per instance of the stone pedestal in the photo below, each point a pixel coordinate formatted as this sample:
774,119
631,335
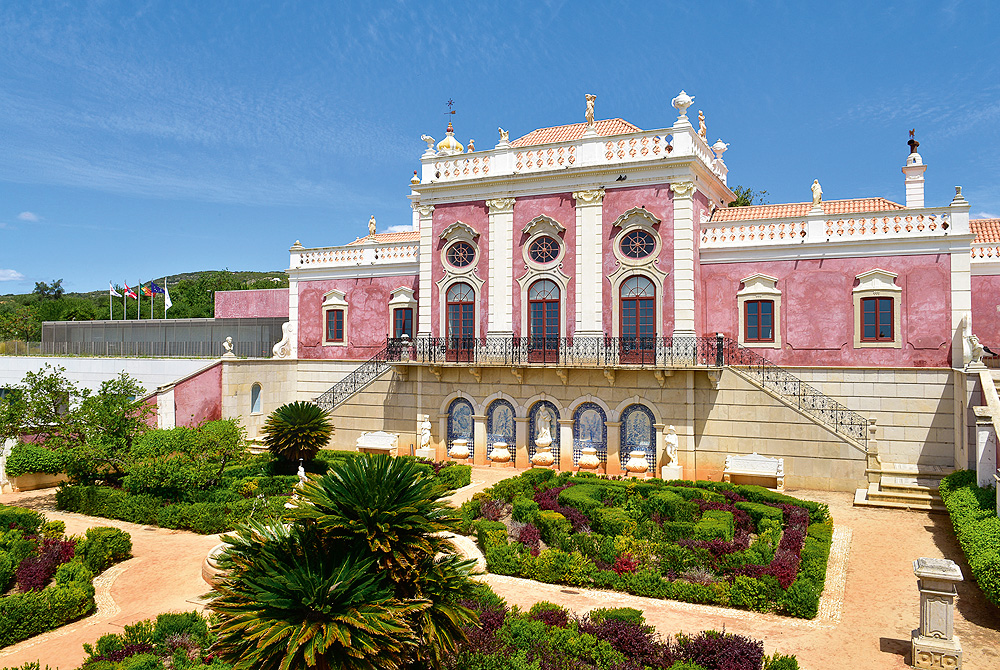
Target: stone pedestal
500,455
668,472
935,644
427,453
986,447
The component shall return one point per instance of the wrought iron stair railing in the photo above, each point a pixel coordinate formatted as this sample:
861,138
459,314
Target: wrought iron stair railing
361,376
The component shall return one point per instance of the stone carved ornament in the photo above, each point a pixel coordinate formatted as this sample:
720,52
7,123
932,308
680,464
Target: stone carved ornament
591,98
817,191
283,349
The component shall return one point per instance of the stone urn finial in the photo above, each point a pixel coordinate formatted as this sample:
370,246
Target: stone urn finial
681,103
719,148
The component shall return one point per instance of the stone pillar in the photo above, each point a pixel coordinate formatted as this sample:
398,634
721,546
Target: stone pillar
426,254
521,442
479,439
565,444
614,437
589,258
441,445
986,447
660,455
873,464
684,258
500,304
935,644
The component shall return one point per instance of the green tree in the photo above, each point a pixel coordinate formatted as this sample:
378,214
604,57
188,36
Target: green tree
18,322
46,291
746,196
374,522
43,405
297,430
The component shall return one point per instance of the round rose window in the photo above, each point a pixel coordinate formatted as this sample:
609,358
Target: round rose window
461,254
638,244
543,250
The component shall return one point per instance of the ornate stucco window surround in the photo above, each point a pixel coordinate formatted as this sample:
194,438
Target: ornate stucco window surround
333,301
759,288
401,298
877,284
637,224
459,232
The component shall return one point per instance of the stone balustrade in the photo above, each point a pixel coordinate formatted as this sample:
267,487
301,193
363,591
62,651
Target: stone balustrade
353,255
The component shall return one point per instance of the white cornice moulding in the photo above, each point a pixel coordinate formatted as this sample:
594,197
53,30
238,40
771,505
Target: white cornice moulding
862,248
357,272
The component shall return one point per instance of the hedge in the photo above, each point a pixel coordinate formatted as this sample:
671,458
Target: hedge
18,517
28,457
974,518
715,524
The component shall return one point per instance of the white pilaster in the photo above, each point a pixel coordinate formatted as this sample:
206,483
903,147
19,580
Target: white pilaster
684,260
426,250
501,305
589,257
961,282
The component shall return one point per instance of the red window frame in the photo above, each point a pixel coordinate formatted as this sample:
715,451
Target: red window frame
877,319
544,322
402,322
460,326
335,318
754,322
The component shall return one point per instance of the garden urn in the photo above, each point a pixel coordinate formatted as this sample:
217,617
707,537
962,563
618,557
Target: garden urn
543,456
459,449
637,463
588,459
500,453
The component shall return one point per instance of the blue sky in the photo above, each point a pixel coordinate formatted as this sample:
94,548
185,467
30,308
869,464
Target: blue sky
139,139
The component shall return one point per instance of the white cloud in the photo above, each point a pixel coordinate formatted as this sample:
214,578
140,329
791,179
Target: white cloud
399,229
987,215
10,275
28,216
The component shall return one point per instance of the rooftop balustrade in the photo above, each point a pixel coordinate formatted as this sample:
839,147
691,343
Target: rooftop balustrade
358,254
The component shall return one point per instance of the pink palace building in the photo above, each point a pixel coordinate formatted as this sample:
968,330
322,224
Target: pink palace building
584,291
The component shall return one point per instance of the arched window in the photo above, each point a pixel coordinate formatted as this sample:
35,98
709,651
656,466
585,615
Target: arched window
461,321
638,319
543,423
500,425
255,405
589,431
460,423
637,432
543,320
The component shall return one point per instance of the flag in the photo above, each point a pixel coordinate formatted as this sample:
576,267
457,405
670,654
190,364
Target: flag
113,291
130,293
166,298
154,288
146,291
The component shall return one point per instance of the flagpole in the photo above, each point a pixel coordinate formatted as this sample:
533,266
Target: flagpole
111,313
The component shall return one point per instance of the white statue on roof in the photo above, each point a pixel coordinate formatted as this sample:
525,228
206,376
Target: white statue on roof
504,135
371,226
590,110
702,128
817,193
429,140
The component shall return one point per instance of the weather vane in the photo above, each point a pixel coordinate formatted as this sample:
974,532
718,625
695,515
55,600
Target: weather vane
451,104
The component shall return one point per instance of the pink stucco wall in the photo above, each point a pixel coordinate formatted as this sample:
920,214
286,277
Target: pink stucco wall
476,215
816,321
658,200
199,398
257,303
986,310
559,207
367,323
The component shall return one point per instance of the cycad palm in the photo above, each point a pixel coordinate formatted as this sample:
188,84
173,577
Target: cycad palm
297,430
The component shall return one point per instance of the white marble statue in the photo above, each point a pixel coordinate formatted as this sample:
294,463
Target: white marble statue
670,445
371,226
471,148
504,135
590,109
8,447
228,345
976,350
425,433
429,140
702,128
543,428
817,193
302,474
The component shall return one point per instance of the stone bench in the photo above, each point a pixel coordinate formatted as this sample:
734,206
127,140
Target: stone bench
755,465
378,442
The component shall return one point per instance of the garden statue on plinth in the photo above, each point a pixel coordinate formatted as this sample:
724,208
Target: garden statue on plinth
543,439
672,469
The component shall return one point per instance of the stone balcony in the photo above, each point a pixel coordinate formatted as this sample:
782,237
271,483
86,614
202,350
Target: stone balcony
362,253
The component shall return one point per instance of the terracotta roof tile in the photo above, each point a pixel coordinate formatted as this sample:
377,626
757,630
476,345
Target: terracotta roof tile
987,230
574,131
794,209
390,238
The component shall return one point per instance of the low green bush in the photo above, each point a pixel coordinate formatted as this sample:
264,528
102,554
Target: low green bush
801,599
973,516
817,511
780,662
524,510
554,566
612,521
18,517
626,614
504,559
750,593
587,498
28,457
455,475
23,615
491,534
759,511
103,547
673,505
715,524
7,568
552,526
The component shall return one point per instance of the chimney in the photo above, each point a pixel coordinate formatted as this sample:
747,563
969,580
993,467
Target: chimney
914,180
